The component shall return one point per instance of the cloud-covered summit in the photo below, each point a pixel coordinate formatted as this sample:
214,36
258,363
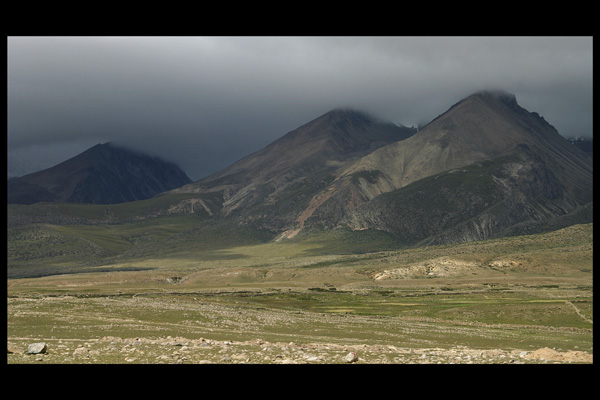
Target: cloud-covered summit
206,102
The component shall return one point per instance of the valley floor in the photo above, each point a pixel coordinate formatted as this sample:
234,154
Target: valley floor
169,350
525,300
291,326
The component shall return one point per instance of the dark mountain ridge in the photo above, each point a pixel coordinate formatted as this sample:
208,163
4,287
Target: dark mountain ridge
280,179
104,174
339,136
485,168
479,127
498,168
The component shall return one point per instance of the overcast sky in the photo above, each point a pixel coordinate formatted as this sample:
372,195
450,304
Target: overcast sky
206,102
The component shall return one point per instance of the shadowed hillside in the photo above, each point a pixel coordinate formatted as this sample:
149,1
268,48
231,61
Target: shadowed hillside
103,174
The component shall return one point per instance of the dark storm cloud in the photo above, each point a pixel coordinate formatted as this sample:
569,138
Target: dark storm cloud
205,102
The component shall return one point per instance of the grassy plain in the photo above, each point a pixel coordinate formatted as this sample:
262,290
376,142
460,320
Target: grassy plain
516,294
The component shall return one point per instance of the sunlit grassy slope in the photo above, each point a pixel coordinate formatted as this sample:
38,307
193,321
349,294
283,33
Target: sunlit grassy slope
159,280
179,241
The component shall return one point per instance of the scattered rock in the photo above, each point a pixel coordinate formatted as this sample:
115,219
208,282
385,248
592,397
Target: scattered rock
12,349
37,348
544,353
240,357
439,267
192,351
548,354
286,361
80,351
578,356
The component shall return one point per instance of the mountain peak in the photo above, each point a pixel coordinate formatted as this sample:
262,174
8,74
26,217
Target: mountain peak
488,97
488,136
103,174
482,126
497,94
349,112
343,118
301,161
500,96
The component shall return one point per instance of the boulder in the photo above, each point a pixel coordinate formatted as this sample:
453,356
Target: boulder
12,349
37,348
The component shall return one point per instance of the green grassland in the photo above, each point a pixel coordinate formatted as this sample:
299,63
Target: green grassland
183,277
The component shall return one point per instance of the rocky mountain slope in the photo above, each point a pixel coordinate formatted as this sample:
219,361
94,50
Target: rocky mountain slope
485,168
103,174
270,187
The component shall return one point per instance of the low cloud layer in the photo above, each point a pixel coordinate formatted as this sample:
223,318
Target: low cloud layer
205,102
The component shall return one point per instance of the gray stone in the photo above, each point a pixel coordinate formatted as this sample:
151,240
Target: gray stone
37,348
351,357
12,349
80,351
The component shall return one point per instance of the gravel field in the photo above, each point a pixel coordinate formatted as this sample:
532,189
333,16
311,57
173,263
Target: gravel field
188,331
169,350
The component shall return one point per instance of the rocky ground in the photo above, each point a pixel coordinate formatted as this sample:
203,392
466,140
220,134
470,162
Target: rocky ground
176,350
238,328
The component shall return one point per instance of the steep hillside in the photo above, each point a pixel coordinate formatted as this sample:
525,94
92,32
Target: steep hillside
510,195
481,127
270,187
485,168
103,174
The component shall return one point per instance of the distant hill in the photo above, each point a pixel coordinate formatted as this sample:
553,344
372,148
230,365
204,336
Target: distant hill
103,174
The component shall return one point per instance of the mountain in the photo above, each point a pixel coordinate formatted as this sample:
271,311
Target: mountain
481,127
584,144
268,188
103,174
485,168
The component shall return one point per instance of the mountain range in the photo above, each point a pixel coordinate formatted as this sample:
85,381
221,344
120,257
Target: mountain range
271,188
103,174
485,168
